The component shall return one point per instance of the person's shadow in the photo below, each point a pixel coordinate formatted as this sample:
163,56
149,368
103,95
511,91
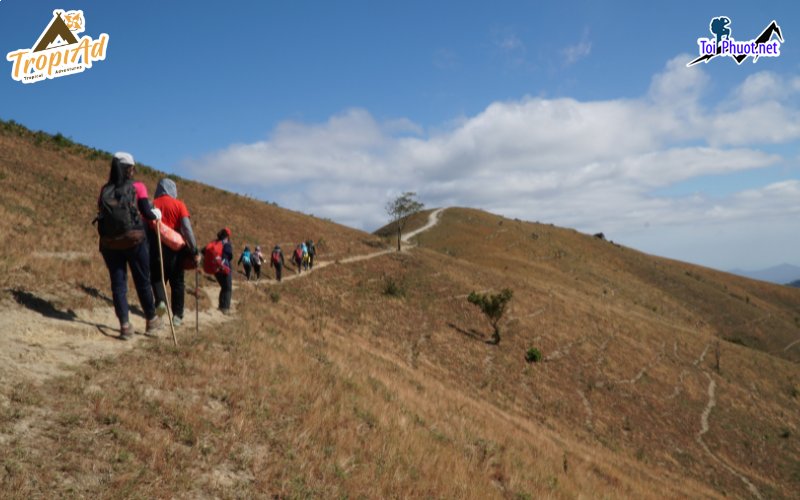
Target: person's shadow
49,310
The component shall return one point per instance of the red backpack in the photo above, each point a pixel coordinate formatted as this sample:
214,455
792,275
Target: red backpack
298,254
276,257
213,262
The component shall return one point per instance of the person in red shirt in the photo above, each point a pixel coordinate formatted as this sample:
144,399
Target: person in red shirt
174,216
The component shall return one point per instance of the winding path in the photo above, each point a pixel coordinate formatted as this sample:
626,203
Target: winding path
433,219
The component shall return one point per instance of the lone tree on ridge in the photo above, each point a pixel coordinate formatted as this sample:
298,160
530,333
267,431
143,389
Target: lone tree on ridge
493,307
400,209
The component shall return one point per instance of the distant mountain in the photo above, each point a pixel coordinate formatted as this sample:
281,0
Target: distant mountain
782,274
795,283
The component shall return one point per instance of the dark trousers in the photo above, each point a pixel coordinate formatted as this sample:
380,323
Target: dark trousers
117,262
226,289
278,269
173,274
311,261
247,271
257,270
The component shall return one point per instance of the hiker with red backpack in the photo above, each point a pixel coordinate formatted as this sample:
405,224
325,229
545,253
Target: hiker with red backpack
297,258
217,257
175,250
276,261
123,242
256,258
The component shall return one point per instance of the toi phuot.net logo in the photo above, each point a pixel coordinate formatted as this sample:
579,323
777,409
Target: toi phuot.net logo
723,43
58,51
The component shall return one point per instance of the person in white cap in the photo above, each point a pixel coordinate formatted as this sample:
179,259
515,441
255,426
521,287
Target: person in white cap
122,204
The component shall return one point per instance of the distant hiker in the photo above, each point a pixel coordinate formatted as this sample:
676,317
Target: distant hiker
173,216
256,258
305,256
276,261
122,204
245,261
311,253
297,258
217,261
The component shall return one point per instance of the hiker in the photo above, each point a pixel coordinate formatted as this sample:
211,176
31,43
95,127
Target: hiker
173,216
256,258
305,256
276,261
218,255
311,253
245,261
122,204
297,258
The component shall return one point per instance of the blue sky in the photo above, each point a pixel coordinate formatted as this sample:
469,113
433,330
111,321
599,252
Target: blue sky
333,109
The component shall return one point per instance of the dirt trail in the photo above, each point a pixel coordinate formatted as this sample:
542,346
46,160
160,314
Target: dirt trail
704,427
433,219
37,344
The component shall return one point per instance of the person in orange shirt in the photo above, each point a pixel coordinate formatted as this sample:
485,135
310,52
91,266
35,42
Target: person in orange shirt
175,216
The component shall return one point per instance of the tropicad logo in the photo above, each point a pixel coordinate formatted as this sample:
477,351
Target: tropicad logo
58,51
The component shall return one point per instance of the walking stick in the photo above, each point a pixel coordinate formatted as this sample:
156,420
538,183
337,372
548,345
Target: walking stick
163,283
196,300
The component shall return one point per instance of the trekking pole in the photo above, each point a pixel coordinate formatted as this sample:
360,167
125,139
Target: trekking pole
163,283
196,300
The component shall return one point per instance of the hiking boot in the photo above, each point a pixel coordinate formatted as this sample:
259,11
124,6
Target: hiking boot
161,309
125,330
154,324
177,321
226,312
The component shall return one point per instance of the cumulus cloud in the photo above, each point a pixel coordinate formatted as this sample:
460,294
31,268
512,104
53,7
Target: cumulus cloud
588,165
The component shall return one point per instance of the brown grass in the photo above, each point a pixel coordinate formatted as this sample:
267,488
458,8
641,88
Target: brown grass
340,390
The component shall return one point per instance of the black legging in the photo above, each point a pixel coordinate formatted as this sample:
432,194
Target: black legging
226,289
257,270
173,274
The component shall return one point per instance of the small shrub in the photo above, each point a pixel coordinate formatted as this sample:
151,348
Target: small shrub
393,288
747,298
786,433
274,297
533,355
493,307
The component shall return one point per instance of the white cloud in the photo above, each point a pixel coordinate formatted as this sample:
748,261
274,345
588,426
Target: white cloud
512,49
764,86
593,166
578,51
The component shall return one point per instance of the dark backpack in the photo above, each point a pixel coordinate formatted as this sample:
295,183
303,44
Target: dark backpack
255,261
118,212
311,250
276,257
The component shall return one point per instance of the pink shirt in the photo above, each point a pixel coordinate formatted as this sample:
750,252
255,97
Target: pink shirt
141,191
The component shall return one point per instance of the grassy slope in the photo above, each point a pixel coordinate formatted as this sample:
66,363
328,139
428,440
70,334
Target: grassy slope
342,391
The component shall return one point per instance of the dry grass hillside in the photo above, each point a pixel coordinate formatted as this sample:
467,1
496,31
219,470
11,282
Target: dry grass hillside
370,377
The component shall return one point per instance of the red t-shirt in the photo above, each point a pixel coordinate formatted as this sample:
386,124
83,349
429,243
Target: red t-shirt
172,211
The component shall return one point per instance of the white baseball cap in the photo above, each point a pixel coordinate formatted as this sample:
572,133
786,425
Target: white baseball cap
124,158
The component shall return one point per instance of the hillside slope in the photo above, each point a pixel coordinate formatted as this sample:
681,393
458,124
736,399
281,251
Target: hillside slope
370,377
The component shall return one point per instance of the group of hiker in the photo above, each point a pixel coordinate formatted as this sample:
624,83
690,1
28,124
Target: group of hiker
130,230
302,257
